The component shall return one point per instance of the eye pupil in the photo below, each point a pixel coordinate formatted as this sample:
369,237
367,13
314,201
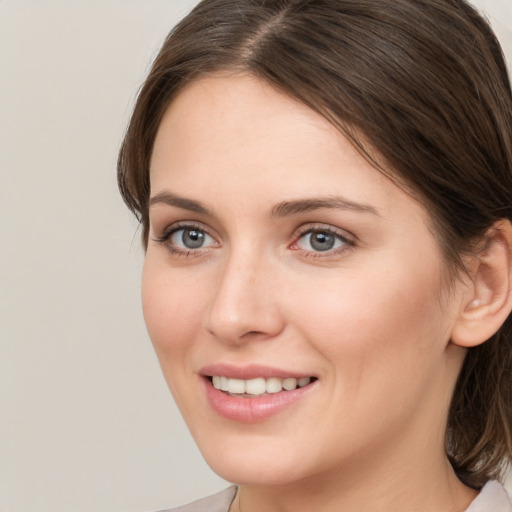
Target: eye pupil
192,238
321,241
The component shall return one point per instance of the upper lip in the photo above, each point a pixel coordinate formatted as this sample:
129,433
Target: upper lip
251,371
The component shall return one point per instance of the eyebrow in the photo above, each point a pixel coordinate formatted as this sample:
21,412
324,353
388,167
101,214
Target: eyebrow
171,199
332,202
284,209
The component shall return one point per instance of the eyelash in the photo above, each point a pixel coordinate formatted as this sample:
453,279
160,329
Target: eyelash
168,232
309,229
164,238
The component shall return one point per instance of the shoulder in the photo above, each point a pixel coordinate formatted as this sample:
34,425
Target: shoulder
219,502
492,498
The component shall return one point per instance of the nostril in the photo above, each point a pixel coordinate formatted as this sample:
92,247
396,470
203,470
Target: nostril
251,334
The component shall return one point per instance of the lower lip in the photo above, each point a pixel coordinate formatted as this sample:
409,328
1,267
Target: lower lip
253,409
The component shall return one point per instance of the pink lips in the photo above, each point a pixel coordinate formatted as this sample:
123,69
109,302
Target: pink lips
251,409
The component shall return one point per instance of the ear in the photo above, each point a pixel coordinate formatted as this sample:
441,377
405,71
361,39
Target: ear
487,300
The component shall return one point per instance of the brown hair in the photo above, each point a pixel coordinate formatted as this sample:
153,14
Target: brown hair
425,82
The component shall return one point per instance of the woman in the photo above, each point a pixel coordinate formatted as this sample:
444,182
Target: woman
325,192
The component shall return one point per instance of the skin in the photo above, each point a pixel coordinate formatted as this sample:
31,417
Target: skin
371,319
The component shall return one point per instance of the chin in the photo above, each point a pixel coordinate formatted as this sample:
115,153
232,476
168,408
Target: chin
261,472
246,459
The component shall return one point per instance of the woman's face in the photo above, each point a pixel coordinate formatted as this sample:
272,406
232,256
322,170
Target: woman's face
285,270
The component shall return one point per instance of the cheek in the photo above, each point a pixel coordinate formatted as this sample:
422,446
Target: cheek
173,310
383,338
379,321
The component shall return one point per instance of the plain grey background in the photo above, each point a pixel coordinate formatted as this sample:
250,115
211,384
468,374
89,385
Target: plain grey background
86,421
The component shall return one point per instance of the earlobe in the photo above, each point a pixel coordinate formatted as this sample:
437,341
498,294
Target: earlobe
488,298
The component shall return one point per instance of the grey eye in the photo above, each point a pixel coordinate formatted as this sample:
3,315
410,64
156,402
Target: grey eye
320,241
191,238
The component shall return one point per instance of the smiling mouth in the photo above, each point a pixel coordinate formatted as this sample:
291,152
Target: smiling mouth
258,386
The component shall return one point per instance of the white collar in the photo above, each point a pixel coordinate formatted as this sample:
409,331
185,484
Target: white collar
492,498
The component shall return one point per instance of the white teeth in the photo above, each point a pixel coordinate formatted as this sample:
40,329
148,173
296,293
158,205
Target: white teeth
274,385
258,386
236,386
304,381
255,386
289,383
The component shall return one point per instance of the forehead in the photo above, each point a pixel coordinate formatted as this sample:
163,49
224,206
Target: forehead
238,138
230,112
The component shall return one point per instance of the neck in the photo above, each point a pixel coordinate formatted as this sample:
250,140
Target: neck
425,484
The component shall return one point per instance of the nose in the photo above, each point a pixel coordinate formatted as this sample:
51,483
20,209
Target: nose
245,305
